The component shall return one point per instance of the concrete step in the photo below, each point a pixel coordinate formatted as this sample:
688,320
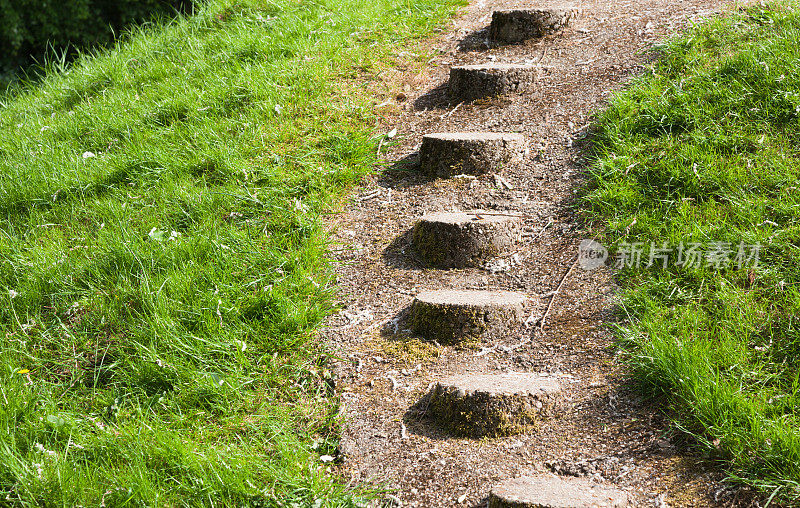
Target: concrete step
555,492
492,405
469,153
452,316
471,82
518,25
464,239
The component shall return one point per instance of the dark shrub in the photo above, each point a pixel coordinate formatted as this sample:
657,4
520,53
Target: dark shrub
31,30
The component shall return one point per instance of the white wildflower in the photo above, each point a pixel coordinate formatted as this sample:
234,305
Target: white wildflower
41,449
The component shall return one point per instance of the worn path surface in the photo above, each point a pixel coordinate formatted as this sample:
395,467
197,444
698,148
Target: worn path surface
601,430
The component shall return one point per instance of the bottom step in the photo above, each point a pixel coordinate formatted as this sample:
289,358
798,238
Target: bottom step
555,492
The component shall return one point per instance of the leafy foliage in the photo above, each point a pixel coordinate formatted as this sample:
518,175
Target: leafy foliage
31,30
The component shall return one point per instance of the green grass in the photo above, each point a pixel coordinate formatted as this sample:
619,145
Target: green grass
162,255
705,148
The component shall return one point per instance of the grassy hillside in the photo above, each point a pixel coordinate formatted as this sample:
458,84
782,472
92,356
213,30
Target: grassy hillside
702,155
162,262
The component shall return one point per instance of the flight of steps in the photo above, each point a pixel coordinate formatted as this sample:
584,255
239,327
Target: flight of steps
471,405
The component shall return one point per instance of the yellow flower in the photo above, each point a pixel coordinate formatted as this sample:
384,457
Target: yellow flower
23,371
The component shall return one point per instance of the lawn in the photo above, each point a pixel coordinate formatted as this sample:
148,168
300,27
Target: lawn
163,263
697,164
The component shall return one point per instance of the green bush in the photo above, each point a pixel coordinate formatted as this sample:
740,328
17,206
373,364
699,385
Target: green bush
31,30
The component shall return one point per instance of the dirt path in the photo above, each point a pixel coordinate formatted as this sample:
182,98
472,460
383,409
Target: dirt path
603,430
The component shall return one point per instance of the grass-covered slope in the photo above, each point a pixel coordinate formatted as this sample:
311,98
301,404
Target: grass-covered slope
705,149
162,261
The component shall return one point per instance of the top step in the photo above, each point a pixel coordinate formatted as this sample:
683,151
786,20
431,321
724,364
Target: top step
519,25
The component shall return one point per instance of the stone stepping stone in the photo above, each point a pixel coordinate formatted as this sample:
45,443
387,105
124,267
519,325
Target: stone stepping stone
519,25
471,82
461,239
469,153
452,316
555,492
476,405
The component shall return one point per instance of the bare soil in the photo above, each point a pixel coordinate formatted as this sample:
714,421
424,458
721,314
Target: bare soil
603,430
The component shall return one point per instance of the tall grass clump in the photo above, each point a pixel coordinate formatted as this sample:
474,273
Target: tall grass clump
162,258
704,150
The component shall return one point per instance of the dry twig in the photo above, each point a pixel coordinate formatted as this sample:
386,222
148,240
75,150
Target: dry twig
555,293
